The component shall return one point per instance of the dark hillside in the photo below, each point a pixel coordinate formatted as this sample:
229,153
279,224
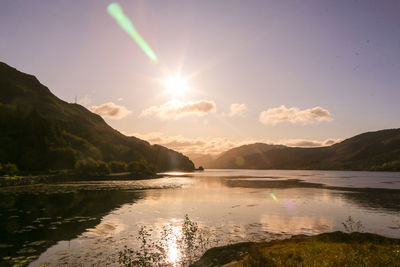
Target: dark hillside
368,151
38,131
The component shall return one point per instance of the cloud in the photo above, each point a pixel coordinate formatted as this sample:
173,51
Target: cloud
273,116
175,109
217,145
187,145
329,142
310,143
110,110
237,110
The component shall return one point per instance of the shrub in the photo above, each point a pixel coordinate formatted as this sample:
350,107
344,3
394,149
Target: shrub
190,243
351,225
8,169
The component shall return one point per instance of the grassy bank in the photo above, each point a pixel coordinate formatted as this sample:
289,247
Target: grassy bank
329,249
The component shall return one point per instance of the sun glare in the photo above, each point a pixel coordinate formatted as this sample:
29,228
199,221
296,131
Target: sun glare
173,252
176,86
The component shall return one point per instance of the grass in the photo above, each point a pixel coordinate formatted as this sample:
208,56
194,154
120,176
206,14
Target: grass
352,248
10,177
331,249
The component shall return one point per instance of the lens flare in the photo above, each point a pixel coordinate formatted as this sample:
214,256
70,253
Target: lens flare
115,11
273,196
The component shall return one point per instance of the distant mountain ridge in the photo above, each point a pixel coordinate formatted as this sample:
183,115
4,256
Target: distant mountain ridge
378,150
39,131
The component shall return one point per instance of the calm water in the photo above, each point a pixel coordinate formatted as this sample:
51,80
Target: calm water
88,223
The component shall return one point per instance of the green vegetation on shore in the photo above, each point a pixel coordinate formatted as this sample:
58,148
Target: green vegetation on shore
393,166
8,169
329,249
93,168
88,169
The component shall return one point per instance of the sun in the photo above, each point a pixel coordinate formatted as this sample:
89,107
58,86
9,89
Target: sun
176,86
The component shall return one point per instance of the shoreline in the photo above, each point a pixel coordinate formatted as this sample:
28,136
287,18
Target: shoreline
329,247
6,181
47,179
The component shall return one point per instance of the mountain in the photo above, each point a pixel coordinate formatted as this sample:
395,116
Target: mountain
207,160
40,132
368,151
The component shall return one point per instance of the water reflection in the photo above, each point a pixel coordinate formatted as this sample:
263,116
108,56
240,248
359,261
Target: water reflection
30,222
106,229
376,200
297,224
228,205
173,252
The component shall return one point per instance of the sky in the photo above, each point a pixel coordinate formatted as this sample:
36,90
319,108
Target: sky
300,73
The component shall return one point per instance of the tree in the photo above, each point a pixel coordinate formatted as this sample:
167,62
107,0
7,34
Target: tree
92,167
140,167
102,167
62,158
117,166
133,167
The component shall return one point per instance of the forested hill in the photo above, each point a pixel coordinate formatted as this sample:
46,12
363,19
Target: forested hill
368,151
40,132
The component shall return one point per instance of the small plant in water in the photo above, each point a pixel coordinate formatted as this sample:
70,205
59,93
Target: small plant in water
148,253
176,247
351,225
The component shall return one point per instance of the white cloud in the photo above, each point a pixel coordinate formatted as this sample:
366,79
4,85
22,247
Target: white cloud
217,145
110,110
273,116
175,109
237,110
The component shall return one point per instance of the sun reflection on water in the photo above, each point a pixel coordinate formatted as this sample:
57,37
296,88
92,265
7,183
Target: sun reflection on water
171,234
172,249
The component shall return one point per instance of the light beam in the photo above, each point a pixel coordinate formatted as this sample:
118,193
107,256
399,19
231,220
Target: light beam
115,11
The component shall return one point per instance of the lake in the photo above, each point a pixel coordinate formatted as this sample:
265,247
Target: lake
85,223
